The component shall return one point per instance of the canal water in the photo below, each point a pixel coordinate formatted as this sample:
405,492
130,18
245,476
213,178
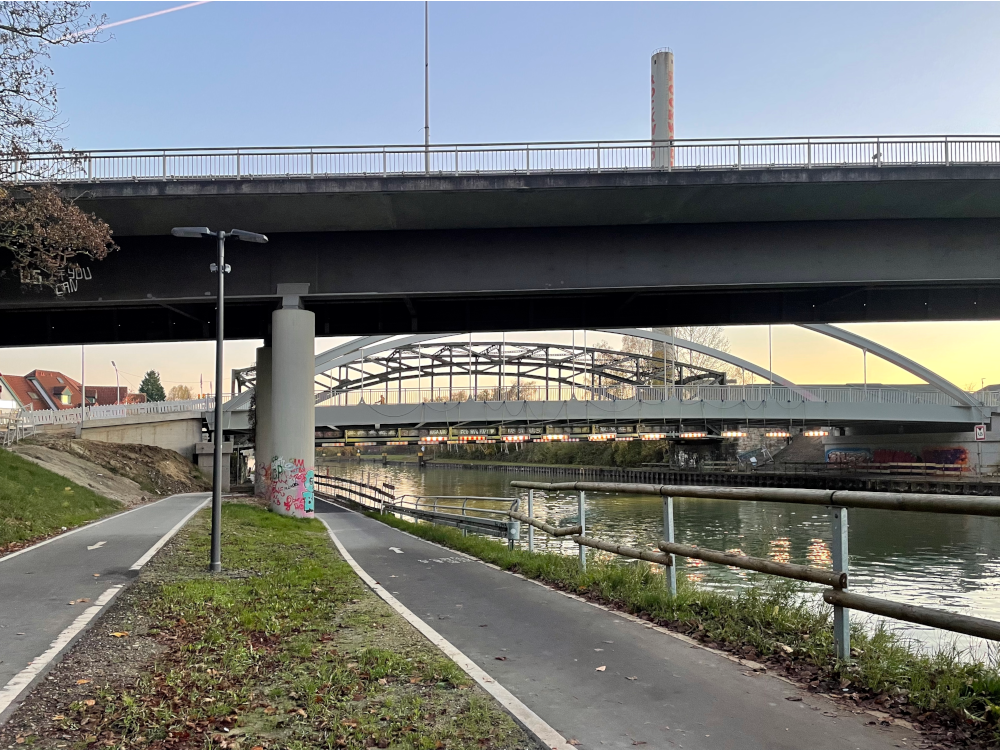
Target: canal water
946,562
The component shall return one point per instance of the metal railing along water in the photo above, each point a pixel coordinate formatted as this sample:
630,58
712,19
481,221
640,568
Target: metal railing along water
446,510
509,158
838,503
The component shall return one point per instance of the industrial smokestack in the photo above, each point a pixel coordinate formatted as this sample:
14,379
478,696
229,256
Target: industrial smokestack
662,114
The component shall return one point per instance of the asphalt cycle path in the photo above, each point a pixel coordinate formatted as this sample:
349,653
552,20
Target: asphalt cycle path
599,678
51,592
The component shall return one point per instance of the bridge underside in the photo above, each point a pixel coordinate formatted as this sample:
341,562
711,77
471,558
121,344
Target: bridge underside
160,288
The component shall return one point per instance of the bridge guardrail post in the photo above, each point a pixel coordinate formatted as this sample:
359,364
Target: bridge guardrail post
841,615
531,514
670,572
581,502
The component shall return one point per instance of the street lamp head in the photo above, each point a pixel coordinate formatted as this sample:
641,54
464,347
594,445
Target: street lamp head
191,232
242,234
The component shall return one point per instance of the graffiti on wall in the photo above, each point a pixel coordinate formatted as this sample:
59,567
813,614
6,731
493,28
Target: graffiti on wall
950,456
848,455
291,486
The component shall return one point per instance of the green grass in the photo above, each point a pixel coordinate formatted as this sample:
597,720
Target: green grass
35,502
769,619
287,650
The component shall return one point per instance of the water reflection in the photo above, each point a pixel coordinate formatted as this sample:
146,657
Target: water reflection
946,562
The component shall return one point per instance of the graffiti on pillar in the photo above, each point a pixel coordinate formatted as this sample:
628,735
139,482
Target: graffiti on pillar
291,486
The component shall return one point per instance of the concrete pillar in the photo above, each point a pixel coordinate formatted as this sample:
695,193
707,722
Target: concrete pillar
205,452
263,442
293,408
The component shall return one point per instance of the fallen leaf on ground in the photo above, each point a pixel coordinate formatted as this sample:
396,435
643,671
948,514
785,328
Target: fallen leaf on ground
122,634
58,717
269,710
793,698
90,702
574,742
347,723
601,669
300,712
82,682
631,678
500,658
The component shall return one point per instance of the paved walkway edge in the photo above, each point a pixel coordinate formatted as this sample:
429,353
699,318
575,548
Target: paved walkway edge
28,676
524,716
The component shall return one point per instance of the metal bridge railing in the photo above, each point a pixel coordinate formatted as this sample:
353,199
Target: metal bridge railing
112,411
722,393
837,579
508,158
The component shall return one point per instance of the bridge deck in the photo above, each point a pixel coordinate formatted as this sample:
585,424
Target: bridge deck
683,695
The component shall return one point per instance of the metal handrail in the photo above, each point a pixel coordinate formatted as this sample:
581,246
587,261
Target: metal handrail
248,163
839,501
846,394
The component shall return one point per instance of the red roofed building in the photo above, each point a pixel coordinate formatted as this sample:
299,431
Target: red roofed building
48,389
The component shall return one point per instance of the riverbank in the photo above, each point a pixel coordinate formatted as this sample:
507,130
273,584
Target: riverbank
954,702
288,648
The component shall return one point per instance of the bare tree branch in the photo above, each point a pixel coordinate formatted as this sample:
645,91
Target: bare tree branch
46,234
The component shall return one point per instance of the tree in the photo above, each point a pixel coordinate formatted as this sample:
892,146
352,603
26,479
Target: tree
46,233
712,336
152,387
179,393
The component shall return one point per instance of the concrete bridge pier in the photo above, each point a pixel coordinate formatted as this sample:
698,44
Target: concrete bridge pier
263,438
293,408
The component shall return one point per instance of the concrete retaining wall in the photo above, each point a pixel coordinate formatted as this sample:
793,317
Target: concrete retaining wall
937,448
178,431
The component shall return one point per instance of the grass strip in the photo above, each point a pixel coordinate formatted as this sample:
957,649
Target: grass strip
36,503
286,649
771,621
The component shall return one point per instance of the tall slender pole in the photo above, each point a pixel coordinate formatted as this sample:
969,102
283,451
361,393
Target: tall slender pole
215,564
83,386
427,89
770,365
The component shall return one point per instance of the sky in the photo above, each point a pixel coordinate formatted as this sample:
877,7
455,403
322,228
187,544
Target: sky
318,73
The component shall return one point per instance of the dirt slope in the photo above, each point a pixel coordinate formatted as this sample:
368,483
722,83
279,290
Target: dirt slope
125,471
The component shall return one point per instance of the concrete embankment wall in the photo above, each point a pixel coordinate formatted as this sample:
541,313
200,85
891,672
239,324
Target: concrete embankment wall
950,448
178,431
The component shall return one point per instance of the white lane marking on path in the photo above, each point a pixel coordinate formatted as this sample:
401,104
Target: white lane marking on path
524,715
397,550
90,525
24,678
97,546
166,537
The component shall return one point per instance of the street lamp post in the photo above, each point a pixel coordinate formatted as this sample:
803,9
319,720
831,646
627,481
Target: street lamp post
118,388
220,267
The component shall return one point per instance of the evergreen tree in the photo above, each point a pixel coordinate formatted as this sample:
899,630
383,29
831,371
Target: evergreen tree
152,387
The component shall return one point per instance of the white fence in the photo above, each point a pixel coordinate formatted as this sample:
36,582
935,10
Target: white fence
510,158
114,411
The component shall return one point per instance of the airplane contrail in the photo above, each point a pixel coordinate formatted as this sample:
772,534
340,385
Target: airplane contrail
138,18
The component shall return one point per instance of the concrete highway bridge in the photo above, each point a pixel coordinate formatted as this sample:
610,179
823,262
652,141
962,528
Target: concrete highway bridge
399,240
